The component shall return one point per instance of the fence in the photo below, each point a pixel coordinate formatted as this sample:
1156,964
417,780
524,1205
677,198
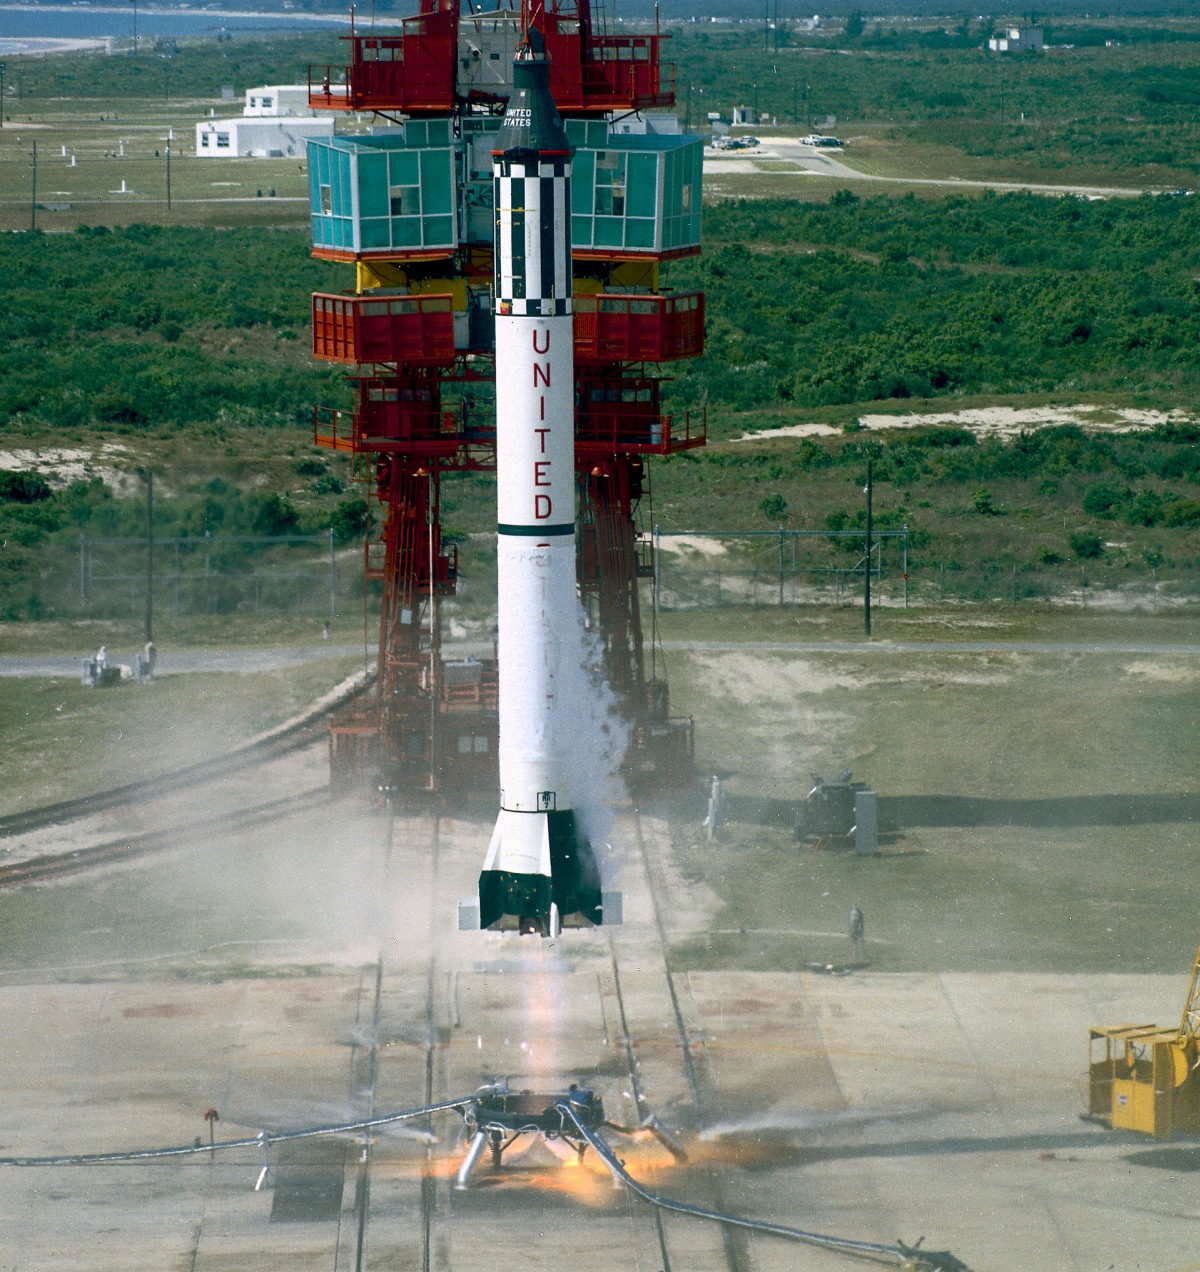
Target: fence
301,575
778,567
214,574
699,568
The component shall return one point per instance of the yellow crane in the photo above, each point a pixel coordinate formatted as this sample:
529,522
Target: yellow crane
1147,1079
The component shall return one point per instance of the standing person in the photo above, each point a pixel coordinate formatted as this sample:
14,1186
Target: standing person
857,927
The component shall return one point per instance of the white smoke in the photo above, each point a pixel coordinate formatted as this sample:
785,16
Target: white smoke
594,732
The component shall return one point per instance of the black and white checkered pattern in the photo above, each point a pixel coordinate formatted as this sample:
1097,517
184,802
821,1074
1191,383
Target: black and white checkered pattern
533,236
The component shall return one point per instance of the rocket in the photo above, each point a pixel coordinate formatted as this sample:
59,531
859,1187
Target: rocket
539,873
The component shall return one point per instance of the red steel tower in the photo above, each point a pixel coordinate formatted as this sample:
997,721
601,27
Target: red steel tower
409,203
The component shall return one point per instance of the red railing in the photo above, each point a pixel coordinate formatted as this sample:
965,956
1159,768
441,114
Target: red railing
416,70
624,70
389,425
417,330
616,328
445,566
469,684
412,71
637,428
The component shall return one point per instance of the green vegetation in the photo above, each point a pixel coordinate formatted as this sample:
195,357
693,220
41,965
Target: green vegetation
159,343
185,350
148,326
169,70
878,298
1018,517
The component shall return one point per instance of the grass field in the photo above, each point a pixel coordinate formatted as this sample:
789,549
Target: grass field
61,740
1044,800
104,162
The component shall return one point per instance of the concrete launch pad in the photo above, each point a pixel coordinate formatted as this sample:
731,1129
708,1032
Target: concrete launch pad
869,1106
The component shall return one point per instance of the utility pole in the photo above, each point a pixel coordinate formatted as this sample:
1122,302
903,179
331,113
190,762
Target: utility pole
149,556
867,572
135,39
168,174
33,191
3,68
781,565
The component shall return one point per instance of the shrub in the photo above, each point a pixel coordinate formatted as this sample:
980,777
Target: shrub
773,507
275,515
1087,547
1103,501
1181,512
1145,509
23,488
349,520
115,406
328,484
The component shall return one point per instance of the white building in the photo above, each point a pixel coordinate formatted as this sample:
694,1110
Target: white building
643,125
274,124
1027,39
279,99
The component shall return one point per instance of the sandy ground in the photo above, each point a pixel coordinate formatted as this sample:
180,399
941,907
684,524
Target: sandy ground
35,47
994,421
60,465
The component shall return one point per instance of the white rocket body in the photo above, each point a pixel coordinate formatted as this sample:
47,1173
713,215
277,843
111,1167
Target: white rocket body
539,872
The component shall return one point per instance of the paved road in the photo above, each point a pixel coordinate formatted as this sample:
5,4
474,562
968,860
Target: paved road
933,646
821,163
68,666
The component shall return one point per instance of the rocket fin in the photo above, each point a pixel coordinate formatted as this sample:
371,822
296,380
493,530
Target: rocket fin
539,873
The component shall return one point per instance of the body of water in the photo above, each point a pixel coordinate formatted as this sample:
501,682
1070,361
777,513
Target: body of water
29,29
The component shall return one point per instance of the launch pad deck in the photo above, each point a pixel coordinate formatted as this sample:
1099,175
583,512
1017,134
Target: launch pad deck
871,1106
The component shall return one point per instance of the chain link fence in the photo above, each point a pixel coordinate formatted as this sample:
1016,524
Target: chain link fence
702,568
302,574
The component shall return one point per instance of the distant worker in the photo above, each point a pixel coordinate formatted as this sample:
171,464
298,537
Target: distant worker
857,927
101,659
149,656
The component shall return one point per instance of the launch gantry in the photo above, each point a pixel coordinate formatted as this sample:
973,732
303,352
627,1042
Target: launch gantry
410,205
